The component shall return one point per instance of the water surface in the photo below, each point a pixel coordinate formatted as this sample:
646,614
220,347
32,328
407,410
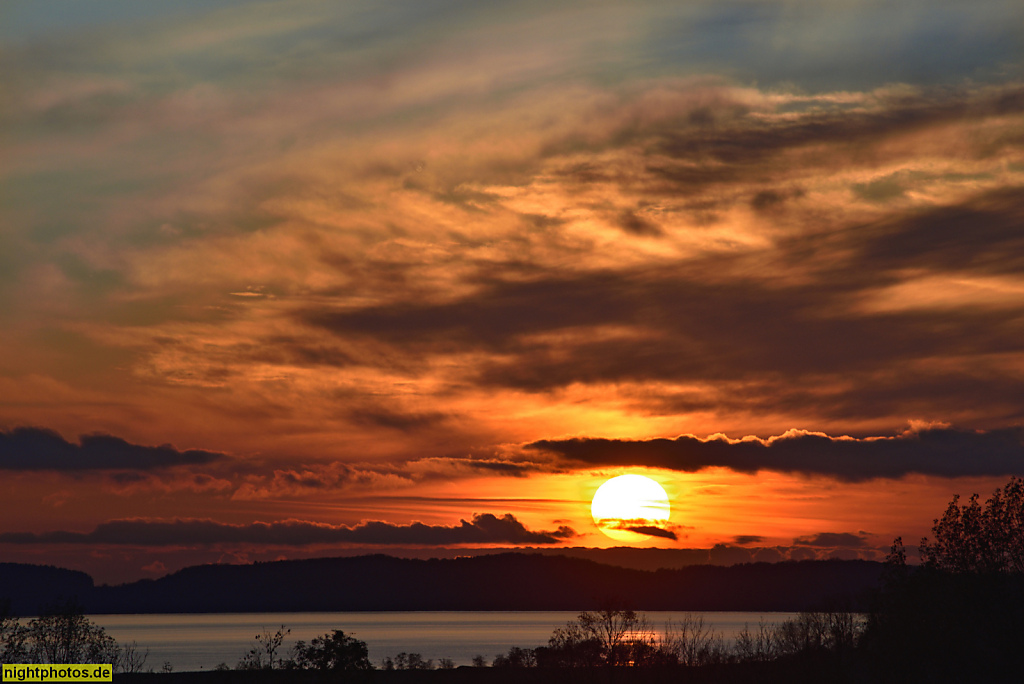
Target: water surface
202,641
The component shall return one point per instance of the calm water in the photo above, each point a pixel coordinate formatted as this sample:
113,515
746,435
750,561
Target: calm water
201,642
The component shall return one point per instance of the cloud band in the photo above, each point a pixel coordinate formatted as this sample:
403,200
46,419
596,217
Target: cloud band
942,451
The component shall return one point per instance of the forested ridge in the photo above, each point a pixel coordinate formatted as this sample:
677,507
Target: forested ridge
499,582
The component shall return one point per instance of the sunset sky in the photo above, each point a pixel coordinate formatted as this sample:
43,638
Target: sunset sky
305,278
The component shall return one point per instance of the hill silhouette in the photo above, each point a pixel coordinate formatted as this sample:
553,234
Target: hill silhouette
511,581
29,587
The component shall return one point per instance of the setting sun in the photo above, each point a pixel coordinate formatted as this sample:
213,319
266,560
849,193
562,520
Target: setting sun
630,508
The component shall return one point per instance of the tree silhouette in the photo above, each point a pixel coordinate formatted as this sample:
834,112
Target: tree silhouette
263,654
610,637
516,657
570,646
133,659
690,641
13,635
959,616
332,652
62,634
757,647
972,539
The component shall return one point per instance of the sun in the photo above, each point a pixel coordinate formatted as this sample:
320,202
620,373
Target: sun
631,508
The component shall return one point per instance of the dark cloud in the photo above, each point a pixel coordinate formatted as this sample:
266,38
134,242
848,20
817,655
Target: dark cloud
39,449
651,531
498,467
726,554
636,225
809,343
767,555
447,467
801,344
832,539
946,452
982,235
640,526
741,143
691,178
292,350
493,318
326,477
744,539
705,327
882,190
802,553
485,528
766,200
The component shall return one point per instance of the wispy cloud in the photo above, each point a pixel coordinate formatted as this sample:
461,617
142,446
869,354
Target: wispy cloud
637,237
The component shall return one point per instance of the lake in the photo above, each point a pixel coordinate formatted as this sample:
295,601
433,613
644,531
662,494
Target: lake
202,641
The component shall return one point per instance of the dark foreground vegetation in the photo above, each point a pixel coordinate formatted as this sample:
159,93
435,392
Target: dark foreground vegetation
959,617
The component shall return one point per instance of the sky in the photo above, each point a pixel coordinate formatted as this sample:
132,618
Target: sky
308,278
